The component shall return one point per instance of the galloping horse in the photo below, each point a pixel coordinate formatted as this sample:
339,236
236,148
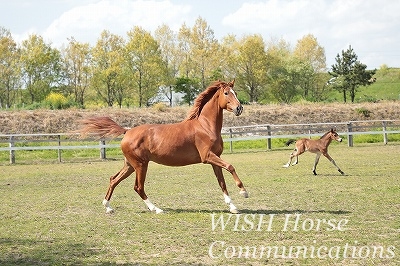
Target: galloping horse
319,147
197,139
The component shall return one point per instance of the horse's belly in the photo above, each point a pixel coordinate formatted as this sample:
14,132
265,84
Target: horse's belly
176,159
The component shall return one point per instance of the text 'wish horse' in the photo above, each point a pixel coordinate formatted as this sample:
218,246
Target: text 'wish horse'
197,139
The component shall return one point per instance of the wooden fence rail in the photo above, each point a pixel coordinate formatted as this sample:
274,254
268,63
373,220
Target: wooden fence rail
18,142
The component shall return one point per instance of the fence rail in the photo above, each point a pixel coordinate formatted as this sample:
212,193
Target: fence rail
18,142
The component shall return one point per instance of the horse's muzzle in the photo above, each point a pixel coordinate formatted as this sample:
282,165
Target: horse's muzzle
238,110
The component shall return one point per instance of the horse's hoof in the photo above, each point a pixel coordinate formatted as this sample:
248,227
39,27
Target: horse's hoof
340,171
158,210
244,193
315,173
285,165
234,211
109,210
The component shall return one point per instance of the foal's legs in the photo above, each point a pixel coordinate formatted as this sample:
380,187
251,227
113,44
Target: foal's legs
316,162
333,162
297,151
126,171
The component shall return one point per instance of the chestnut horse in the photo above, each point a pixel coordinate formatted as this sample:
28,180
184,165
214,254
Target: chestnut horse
197,139
319,147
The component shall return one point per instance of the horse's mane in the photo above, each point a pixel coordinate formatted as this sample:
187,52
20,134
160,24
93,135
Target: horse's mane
203,98
326,133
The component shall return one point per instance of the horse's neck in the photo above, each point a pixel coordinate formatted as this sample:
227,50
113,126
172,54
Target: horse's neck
212,115
326,139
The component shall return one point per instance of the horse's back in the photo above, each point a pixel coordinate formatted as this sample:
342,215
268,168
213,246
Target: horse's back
168,144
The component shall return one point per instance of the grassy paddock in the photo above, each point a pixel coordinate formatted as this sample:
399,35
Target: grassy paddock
51,214
79,155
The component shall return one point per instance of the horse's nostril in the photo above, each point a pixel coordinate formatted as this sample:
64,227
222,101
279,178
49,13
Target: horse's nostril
239,110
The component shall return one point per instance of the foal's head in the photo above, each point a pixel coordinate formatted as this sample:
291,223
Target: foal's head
334,136
228,99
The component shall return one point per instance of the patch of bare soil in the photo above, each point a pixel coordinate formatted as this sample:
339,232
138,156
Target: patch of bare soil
61,121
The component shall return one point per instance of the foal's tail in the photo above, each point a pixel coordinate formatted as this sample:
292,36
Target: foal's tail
101,127
290,141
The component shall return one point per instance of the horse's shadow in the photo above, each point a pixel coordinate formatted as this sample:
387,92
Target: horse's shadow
257,211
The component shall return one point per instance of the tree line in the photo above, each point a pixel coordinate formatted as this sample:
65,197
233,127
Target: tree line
132,70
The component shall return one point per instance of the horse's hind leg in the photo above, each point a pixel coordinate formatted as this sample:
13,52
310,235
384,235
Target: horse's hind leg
126,171
141,171
296,154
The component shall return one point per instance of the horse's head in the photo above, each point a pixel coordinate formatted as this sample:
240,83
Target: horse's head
334,136
228,99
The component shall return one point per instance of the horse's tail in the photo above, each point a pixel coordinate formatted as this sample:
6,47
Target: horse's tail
101,127
290,141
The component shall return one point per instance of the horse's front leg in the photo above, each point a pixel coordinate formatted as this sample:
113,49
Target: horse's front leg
222,184
315,163
218,163
333,162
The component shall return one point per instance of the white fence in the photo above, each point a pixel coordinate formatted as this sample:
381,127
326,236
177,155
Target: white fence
64,141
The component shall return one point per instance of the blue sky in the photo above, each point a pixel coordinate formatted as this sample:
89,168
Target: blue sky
371,27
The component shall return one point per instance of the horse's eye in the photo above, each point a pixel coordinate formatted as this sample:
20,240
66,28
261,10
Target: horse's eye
226,93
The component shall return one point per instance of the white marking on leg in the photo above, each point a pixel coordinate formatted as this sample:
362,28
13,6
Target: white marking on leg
106,204
232,208
151,206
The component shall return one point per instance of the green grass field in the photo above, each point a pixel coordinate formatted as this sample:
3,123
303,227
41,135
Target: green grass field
51,213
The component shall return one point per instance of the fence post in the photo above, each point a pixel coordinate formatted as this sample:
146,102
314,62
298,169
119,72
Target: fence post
231,142
12,152
349,135
269,142
59,150
102,149
385,137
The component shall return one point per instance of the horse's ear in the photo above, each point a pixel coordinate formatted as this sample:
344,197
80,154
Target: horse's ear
332,130
232,83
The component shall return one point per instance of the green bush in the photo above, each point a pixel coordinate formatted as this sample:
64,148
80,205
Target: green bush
56,101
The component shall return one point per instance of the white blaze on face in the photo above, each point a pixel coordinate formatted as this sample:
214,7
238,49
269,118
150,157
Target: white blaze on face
234,94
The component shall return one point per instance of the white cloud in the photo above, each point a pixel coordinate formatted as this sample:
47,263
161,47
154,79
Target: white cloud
86,21
368,25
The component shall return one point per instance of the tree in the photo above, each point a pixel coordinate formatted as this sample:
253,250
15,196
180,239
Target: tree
41,67
146,66
108,68
249,64
168,43
311,53
9,68
205,51
349,74
286,78
281,74
77,69
199,52
189,87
